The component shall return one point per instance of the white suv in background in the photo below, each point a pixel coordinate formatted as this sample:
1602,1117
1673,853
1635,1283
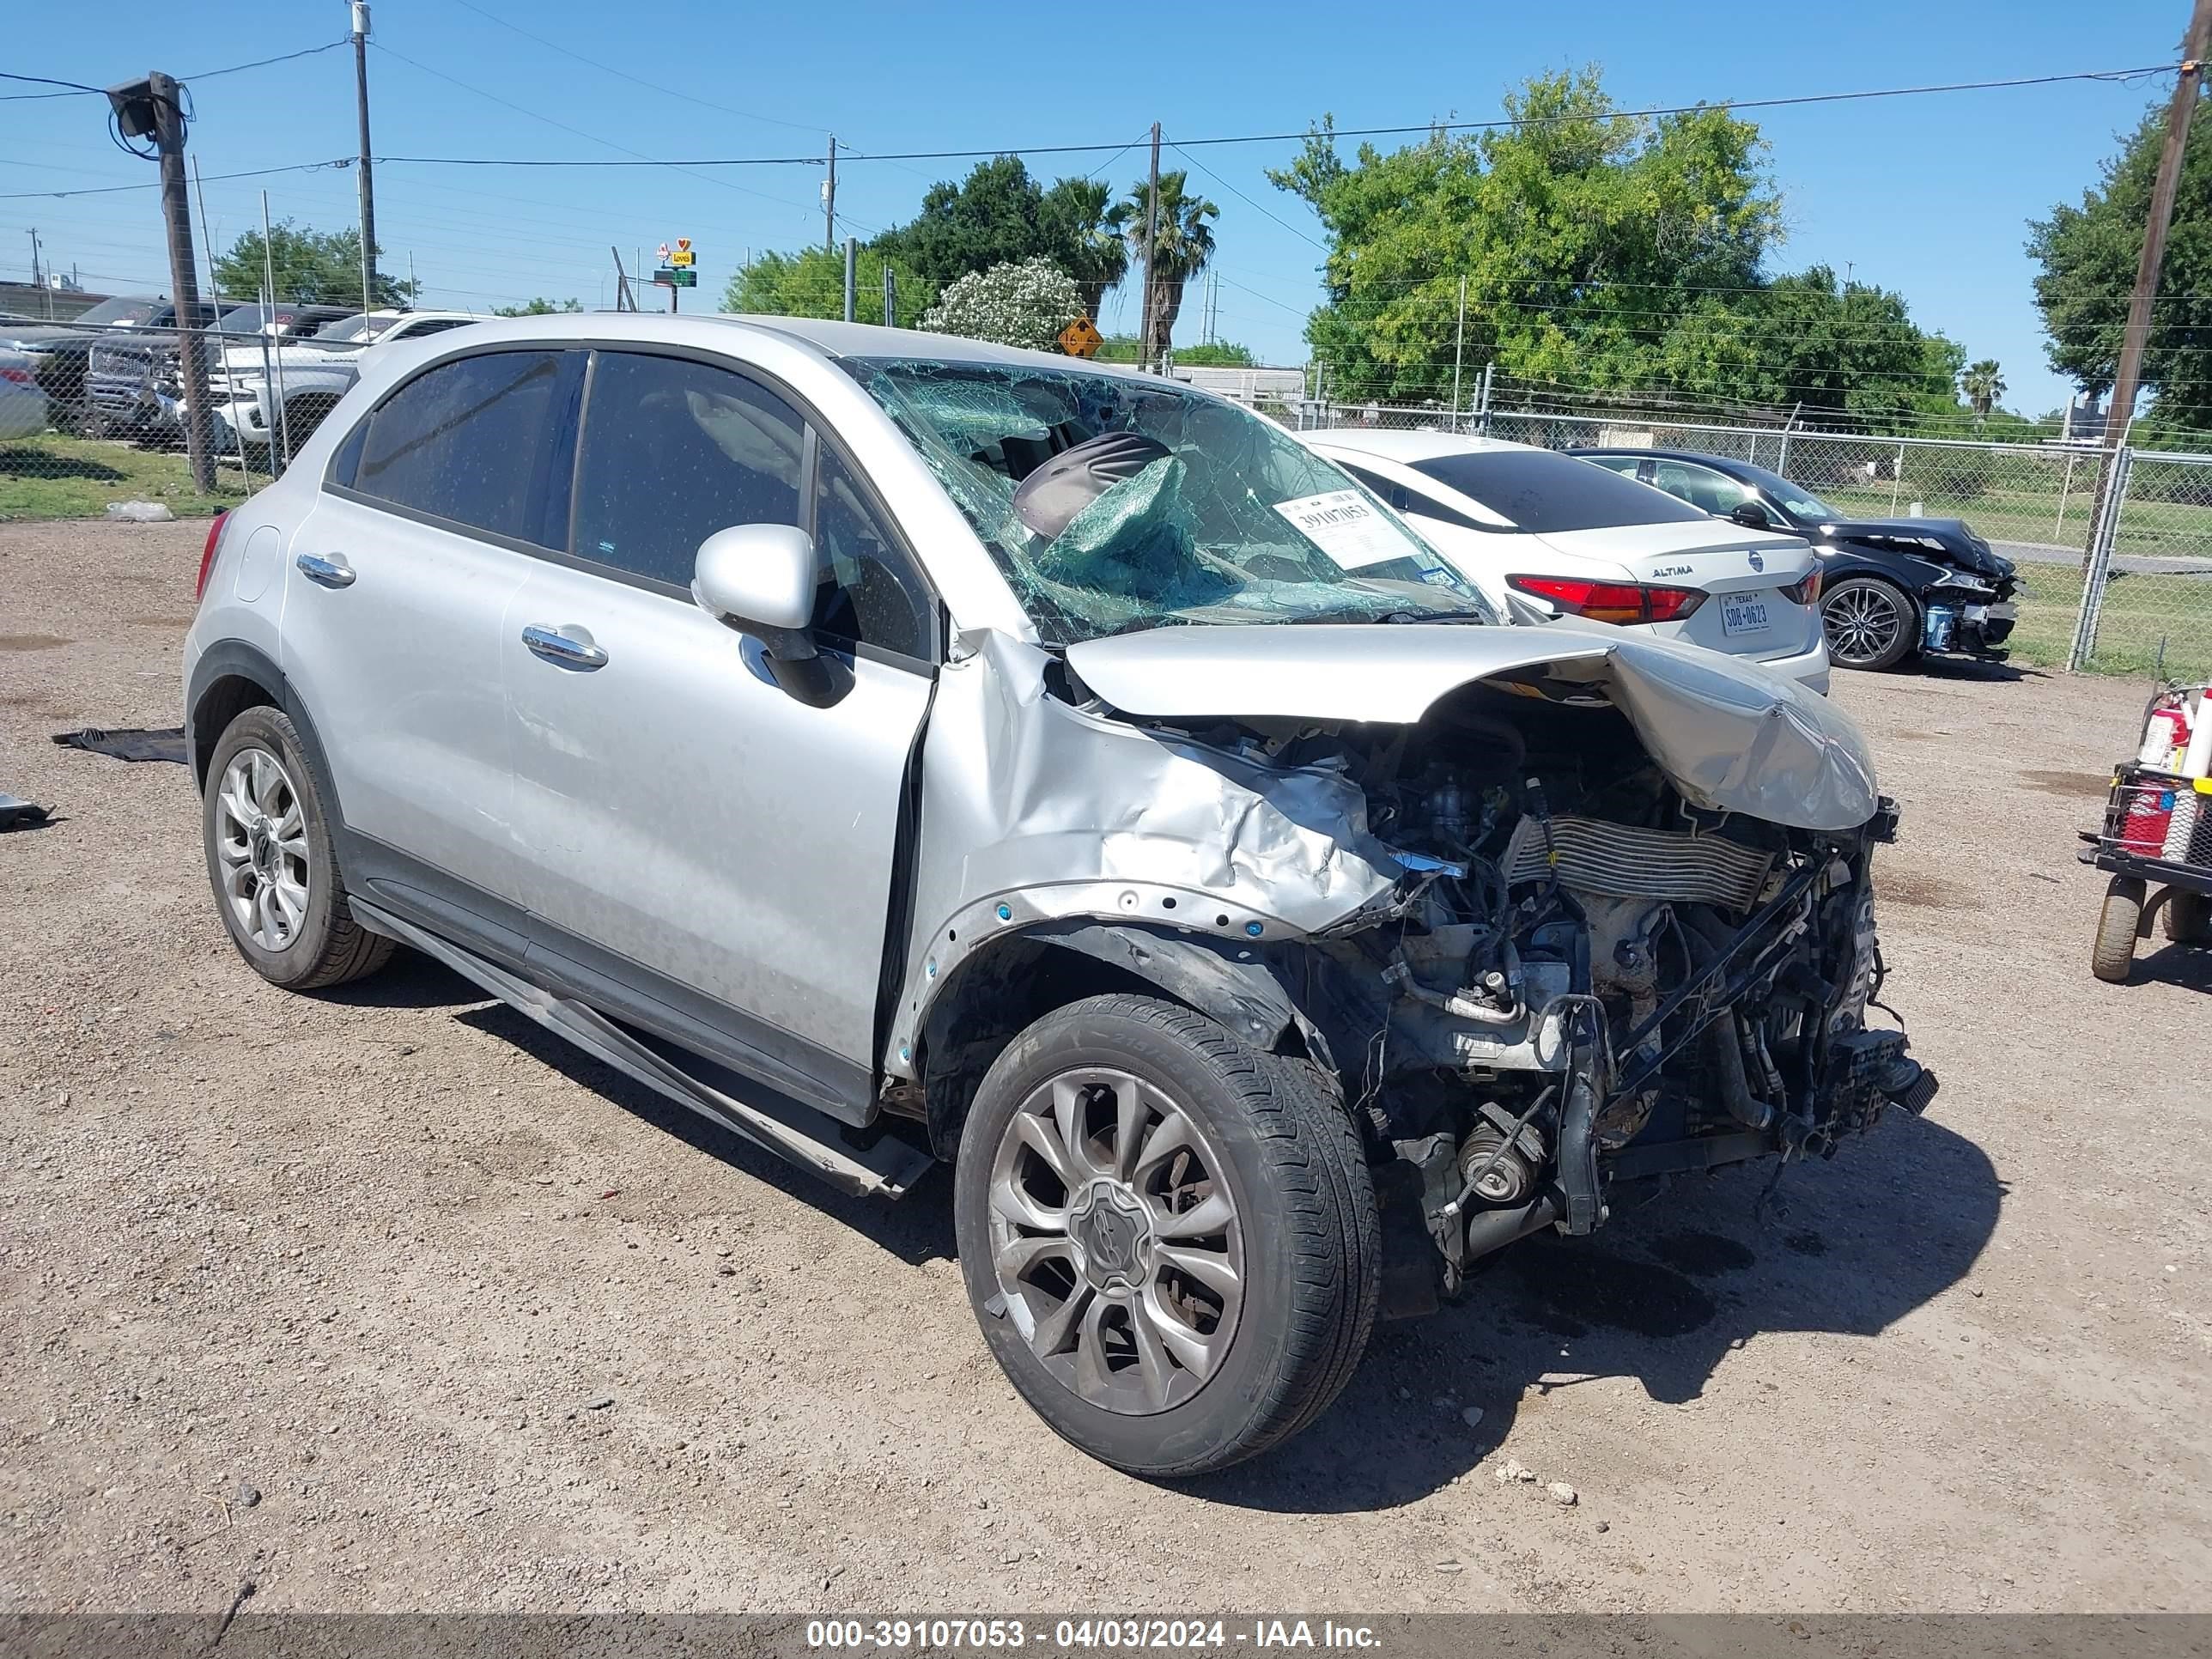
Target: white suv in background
1582,541
289,390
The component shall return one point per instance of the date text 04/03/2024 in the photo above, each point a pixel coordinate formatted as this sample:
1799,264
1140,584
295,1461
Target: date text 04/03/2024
892,1635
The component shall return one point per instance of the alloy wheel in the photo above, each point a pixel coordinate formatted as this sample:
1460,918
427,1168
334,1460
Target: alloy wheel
1861,623
1116,1241
261,844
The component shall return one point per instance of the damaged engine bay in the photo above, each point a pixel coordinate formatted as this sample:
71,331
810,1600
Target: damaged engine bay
1583,978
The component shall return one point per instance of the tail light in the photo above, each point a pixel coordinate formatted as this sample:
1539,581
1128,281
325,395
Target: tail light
1613,602
20,376
207,554
1806,592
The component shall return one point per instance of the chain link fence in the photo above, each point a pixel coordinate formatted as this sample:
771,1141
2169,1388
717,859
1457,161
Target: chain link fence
92,423
93,414
2131,592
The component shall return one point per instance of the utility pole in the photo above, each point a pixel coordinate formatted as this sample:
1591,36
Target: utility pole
852,260
829,200
166,99
891,296
368,190
1459,350
1152,242
2194,47
625,299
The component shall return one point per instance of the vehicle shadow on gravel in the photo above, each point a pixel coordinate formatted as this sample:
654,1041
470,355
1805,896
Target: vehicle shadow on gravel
1677,1280
915,1229
1974,670
2189,967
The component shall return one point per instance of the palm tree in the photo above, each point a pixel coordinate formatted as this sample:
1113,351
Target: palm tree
1179,250
1092,246
1983,386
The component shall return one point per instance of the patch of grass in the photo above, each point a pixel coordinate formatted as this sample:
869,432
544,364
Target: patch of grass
2141,613
55,477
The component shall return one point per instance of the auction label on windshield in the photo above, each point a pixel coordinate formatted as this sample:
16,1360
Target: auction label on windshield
1343,525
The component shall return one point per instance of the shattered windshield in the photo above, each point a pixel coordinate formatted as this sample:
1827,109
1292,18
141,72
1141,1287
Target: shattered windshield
1113,504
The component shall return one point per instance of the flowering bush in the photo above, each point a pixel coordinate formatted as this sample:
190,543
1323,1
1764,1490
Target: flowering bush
1017,305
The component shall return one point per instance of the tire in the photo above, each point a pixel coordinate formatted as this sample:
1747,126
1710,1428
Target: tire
2188,917
273,864
1869,623
1195,1384
2114,958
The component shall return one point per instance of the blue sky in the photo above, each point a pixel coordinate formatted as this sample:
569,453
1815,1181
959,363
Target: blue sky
1929,196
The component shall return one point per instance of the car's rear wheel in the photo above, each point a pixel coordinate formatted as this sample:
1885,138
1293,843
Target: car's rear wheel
1170,1241
273,862
1871,623
2113,957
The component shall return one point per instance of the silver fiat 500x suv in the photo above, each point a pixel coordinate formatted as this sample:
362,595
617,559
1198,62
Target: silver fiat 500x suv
903,750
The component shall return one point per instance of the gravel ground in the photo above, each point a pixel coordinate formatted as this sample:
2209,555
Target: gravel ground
384,1301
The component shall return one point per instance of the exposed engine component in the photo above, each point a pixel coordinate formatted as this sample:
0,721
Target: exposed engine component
1629,862
1623,987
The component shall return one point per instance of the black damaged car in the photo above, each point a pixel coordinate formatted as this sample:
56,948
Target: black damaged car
1892,589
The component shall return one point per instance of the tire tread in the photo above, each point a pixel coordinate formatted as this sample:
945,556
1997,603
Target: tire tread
1316,1172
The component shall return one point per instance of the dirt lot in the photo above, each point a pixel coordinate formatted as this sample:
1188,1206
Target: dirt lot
486,1327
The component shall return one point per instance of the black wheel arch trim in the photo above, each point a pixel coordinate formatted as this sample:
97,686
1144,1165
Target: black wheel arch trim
226,659
1233,985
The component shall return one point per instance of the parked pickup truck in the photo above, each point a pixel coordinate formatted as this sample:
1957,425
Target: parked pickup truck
288,389
135,382
61,353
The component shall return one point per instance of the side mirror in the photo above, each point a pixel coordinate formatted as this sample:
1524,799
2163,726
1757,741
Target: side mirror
1752,515
759,579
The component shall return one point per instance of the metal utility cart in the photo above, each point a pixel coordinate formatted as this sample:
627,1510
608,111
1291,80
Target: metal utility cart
2157,832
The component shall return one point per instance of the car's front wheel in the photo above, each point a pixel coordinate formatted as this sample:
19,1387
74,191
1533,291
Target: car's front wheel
1170,1241
1871,623
273,862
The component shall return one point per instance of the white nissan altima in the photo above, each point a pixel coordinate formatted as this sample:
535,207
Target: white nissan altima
1583,541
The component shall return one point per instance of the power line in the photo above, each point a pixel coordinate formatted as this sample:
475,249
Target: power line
636,80
641,158
1247,200
78,89
213,178
1503,124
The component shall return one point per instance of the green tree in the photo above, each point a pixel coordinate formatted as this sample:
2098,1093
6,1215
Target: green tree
540,307
2088,254
1182,245
313,267
812,284
1841,354
1025,304
1221,354
1982,385
995,216
1584,236
1088,244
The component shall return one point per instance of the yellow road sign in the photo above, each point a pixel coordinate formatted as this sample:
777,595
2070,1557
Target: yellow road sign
1081,338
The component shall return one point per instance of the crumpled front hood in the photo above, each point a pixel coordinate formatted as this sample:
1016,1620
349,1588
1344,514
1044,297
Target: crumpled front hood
1730,735
1945,540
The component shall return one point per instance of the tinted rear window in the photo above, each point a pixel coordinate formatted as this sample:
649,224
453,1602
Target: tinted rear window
479,441
1541,491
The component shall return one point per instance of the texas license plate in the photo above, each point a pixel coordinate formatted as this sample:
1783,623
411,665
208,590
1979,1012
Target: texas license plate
1743,616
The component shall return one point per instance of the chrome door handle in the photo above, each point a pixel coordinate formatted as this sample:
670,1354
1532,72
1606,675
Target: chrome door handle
565,649
325,572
